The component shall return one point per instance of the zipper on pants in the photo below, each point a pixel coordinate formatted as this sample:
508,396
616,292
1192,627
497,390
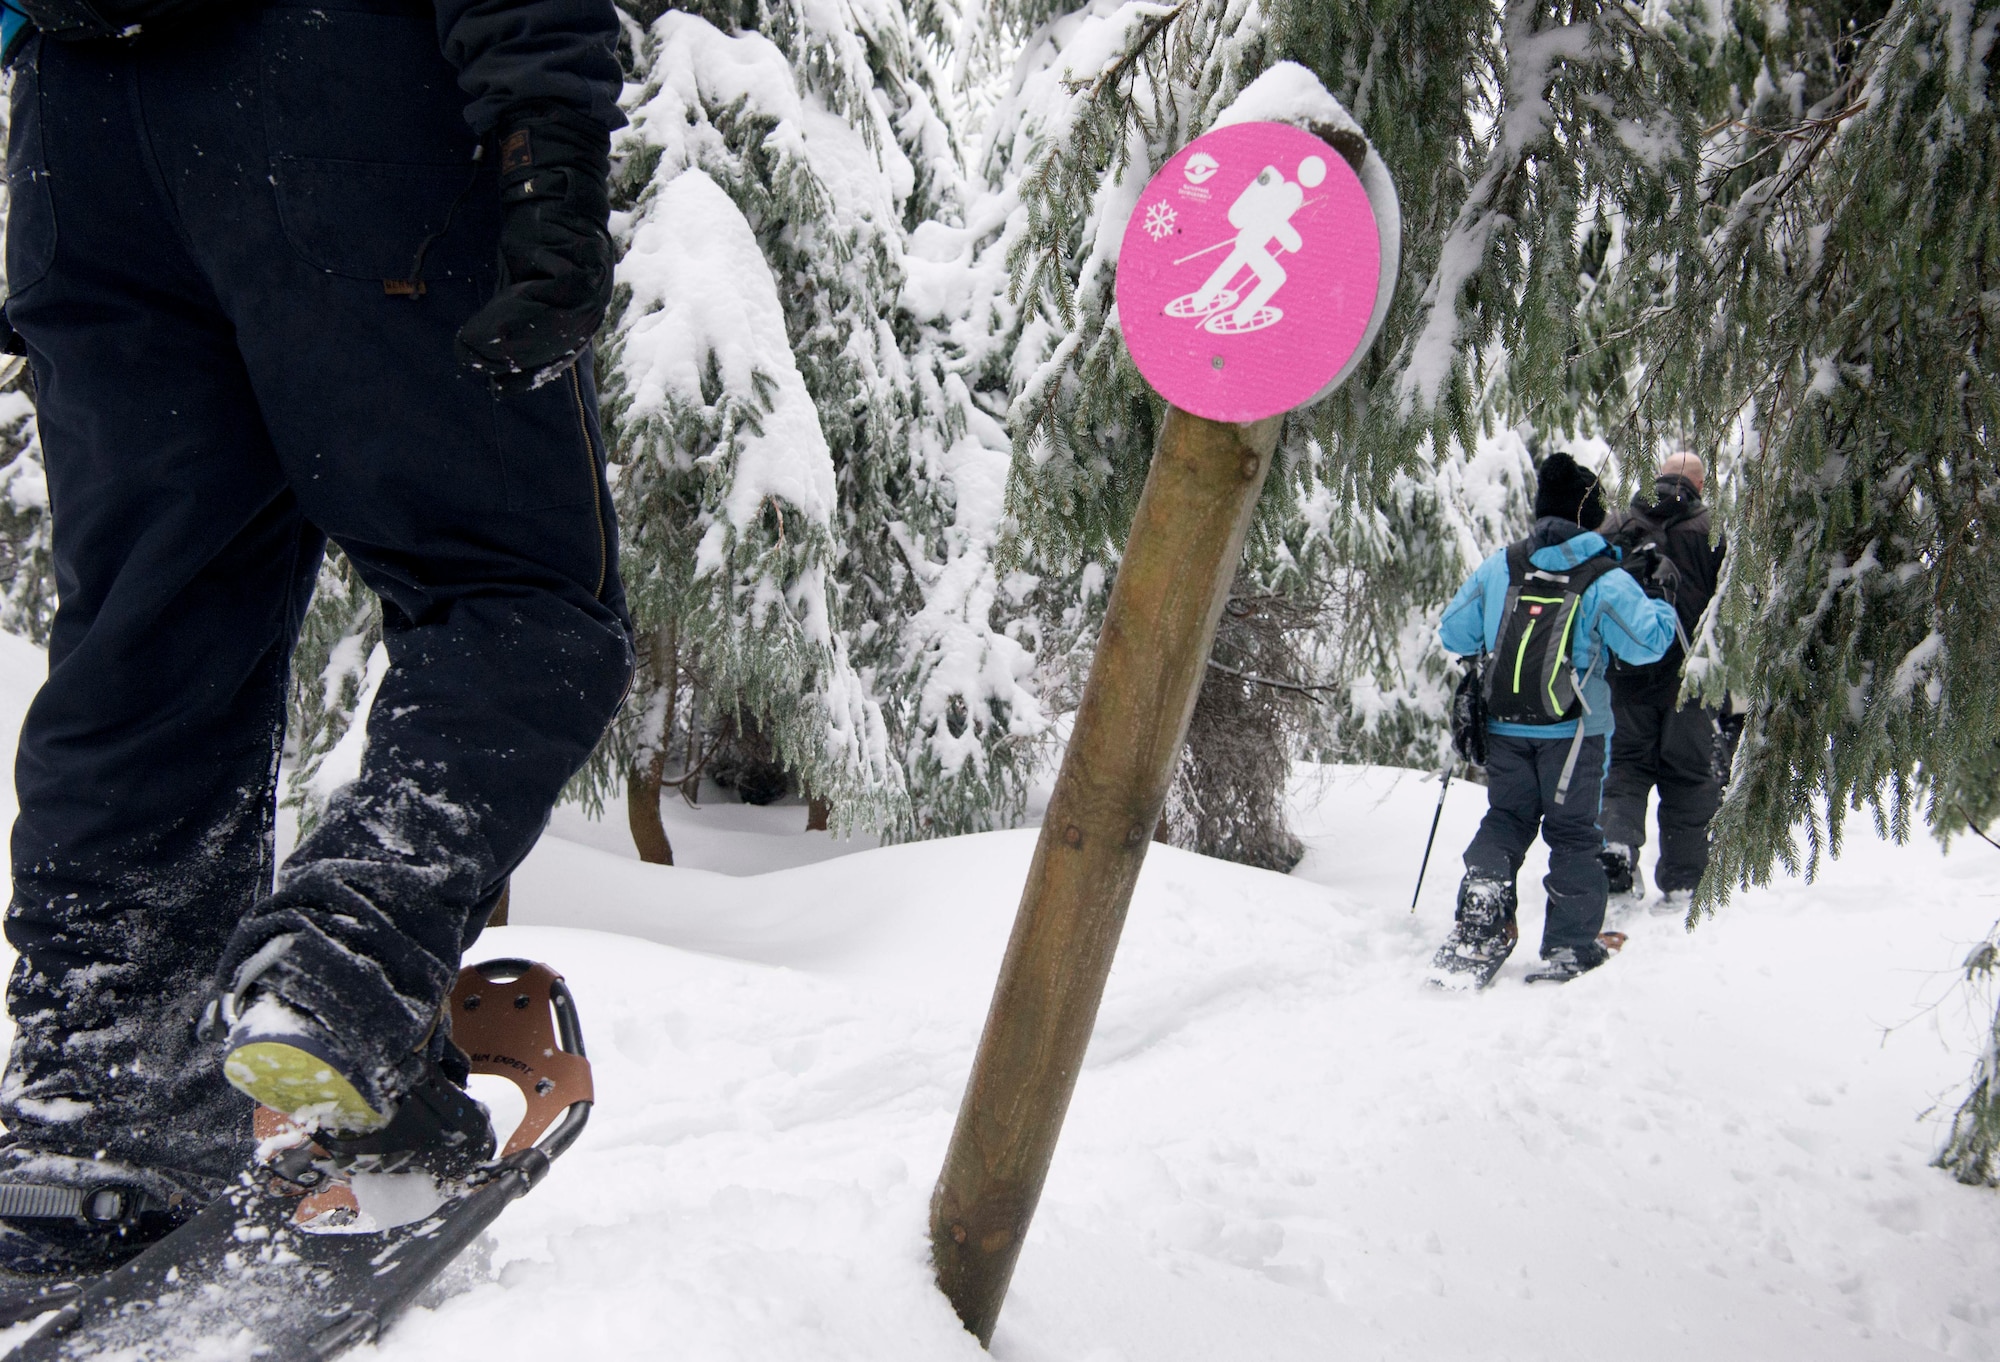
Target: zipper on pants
596,483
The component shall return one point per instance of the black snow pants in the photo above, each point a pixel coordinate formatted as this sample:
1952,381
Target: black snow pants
1677,749
201,228
1521,779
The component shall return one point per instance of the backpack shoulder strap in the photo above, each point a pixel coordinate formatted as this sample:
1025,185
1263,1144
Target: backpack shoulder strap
1586,574
1636,528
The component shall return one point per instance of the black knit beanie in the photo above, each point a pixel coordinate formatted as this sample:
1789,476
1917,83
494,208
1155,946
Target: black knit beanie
1565,488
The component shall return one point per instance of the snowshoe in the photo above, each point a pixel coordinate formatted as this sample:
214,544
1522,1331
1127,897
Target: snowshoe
1564,963
1230,324
316,1250
1202,304
1481,939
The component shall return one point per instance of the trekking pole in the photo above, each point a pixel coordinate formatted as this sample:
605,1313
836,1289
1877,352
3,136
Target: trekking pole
1431,841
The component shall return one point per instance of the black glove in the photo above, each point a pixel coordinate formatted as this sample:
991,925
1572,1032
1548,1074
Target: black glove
555,248
1468,713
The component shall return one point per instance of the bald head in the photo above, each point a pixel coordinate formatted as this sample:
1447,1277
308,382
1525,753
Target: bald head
1685,465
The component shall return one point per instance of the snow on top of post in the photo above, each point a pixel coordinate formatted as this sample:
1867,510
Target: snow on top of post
701,288
1289,93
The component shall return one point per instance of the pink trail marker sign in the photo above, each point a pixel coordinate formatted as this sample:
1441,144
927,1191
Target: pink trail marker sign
1250,273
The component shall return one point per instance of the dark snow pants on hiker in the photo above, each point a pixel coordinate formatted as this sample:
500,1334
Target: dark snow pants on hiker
1521,779
1679,750
200,233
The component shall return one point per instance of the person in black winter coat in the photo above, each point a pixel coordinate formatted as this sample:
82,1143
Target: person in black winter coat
1659,742
285,273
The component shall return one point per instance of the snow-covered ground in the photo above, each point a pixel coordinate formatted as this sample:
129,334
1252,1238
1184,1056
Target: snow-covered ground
1282,1146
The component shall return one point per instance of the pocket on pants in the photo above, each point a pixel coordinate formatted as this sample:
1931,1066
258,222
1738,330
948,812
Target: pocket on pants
368,150
31,217
360,219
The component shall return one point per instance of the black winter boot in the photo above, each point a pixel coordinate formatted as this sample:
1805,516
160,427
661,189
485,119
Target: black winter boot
1563,963
1621,869
1481,939
287,1061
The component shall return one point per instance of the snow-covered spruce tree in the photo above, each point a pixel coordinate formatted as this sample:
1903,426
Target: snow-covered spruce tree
339,661
726,494
807,529
1503,132
1843,333
1841,322
27,569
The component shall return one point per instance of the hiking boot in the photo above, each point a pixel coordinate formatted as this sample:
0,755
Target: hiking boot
1621,871
1485,906
1675,903
1481,939
285,1060
1560,964
63,1217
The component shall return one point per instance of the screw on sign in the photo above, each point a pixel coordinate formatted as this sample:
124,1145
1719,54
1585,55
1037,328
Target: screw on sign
1253,276
1253,271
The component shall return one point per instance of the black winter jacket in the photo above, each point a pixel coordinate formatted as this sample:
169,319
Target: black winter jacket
1677,521
506,51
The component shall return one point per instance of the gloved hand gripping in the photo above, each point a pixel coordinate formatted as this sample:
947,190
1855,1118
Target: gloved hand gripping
555,249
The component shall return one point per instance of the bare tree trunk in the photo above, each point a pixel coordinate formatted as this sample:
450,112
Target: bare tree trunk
819,812
646,774
642,810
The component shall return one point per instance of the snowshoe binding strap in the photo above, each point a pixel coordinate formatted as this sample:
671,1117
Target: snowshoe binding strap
110,1205
436,1125
516,1019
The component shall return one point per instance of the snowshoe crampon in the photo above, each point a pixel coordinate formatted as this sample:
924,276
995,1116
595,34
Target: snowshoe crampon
305,1256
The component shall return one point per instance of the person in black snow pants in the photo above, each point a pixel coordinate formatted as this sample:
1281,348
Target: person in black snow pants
287,273
1547,612
1682,749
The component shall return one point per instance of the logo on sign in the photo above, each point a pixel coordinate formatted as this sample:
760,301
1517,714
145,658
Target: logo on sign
1201,168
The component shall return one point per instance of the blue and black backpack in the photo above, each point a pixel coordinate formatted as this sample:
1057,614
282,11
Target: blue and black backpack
1531,677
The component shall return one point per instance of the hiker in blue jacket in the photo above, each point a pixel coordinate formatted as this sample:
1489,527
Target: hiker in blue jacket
1547,613
285,273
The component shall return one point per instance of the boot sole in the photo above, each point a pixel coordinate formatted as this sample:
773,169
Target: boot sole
301,1085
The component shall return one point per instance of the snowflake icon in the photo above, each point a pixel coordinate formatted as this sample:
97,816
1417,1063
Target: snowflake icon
1159,223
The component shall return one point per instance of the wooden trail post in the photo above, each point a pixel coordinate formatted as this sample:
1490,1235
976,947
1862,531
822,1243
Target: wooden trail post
1232,361
1187,538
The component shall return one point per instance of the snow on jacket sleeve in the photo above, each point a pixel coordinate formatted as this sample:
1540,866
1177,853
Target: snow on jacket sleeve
511,51
1632,624
1463,628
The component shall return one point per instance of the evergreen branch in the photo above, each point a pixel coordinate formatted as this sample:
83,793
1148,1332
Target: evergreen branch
1970,825
1152,29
